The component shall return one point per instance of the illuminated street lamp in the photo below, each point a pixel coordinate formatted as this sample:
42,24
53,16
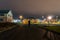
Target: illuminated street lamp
49,18
21,17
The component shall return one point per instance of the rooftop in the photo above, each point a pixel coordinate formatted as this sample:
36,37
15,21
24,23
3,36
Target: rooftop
2,12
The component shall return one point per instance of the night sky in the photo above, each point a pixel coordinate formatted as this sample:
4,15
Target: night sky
32,7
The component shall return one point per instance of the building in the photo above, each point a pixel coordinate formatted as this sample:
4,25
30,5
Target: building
6,16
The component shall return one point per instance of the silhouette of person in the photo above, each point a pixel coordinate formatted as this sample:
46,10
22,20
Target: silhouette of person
29,23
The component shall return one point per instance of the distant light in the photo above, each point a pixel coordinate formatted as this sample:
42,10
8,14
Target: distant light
57,17
15,21
49,17
21,17
42,16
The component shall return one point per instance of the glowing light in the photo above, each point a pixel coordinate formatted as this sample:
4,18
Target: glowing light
49,17
15,21
42,16
20,17
25,21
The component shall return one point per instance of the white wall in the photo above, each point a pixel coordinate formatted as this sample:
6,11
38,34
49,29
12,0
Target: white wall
9,16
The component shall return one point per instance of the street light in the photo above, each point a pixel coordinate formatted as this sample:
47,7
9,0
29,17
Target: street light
49,18
21,17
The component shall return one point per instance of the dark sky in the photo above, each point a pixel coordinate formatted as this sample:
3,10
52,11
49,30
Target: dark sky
32,7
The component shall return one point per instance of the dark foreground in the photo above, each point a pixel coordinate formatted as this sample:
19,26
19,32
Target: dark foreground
22,33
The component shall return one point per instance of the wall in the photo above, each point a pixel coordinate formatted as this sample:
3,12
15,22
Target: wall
9,16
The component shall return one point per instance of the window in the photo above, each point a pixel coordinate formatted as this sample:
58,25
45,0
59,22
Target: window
9,15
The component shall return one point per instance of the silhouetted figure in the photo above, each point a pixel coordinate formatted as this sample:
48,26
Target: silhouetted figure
29,23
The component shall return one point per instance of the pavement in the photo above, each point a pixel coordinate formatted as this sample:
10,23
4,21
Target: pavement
21,33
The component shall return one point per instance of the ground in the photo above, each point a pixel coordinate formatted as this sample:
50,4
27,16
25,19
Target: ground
26,33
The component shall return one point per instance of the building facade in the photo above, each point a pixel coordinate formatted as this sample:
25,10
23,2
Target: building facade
6,16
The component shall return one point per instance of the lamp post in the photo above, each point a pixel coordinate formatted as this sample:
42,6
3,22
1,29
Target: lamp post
21,17
49,18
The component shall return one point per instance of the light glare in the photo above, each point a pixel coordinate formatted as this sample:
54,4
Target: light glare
49,17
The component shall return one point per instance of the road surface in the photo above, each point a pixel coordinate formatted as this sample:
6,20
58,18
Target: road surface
21,33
